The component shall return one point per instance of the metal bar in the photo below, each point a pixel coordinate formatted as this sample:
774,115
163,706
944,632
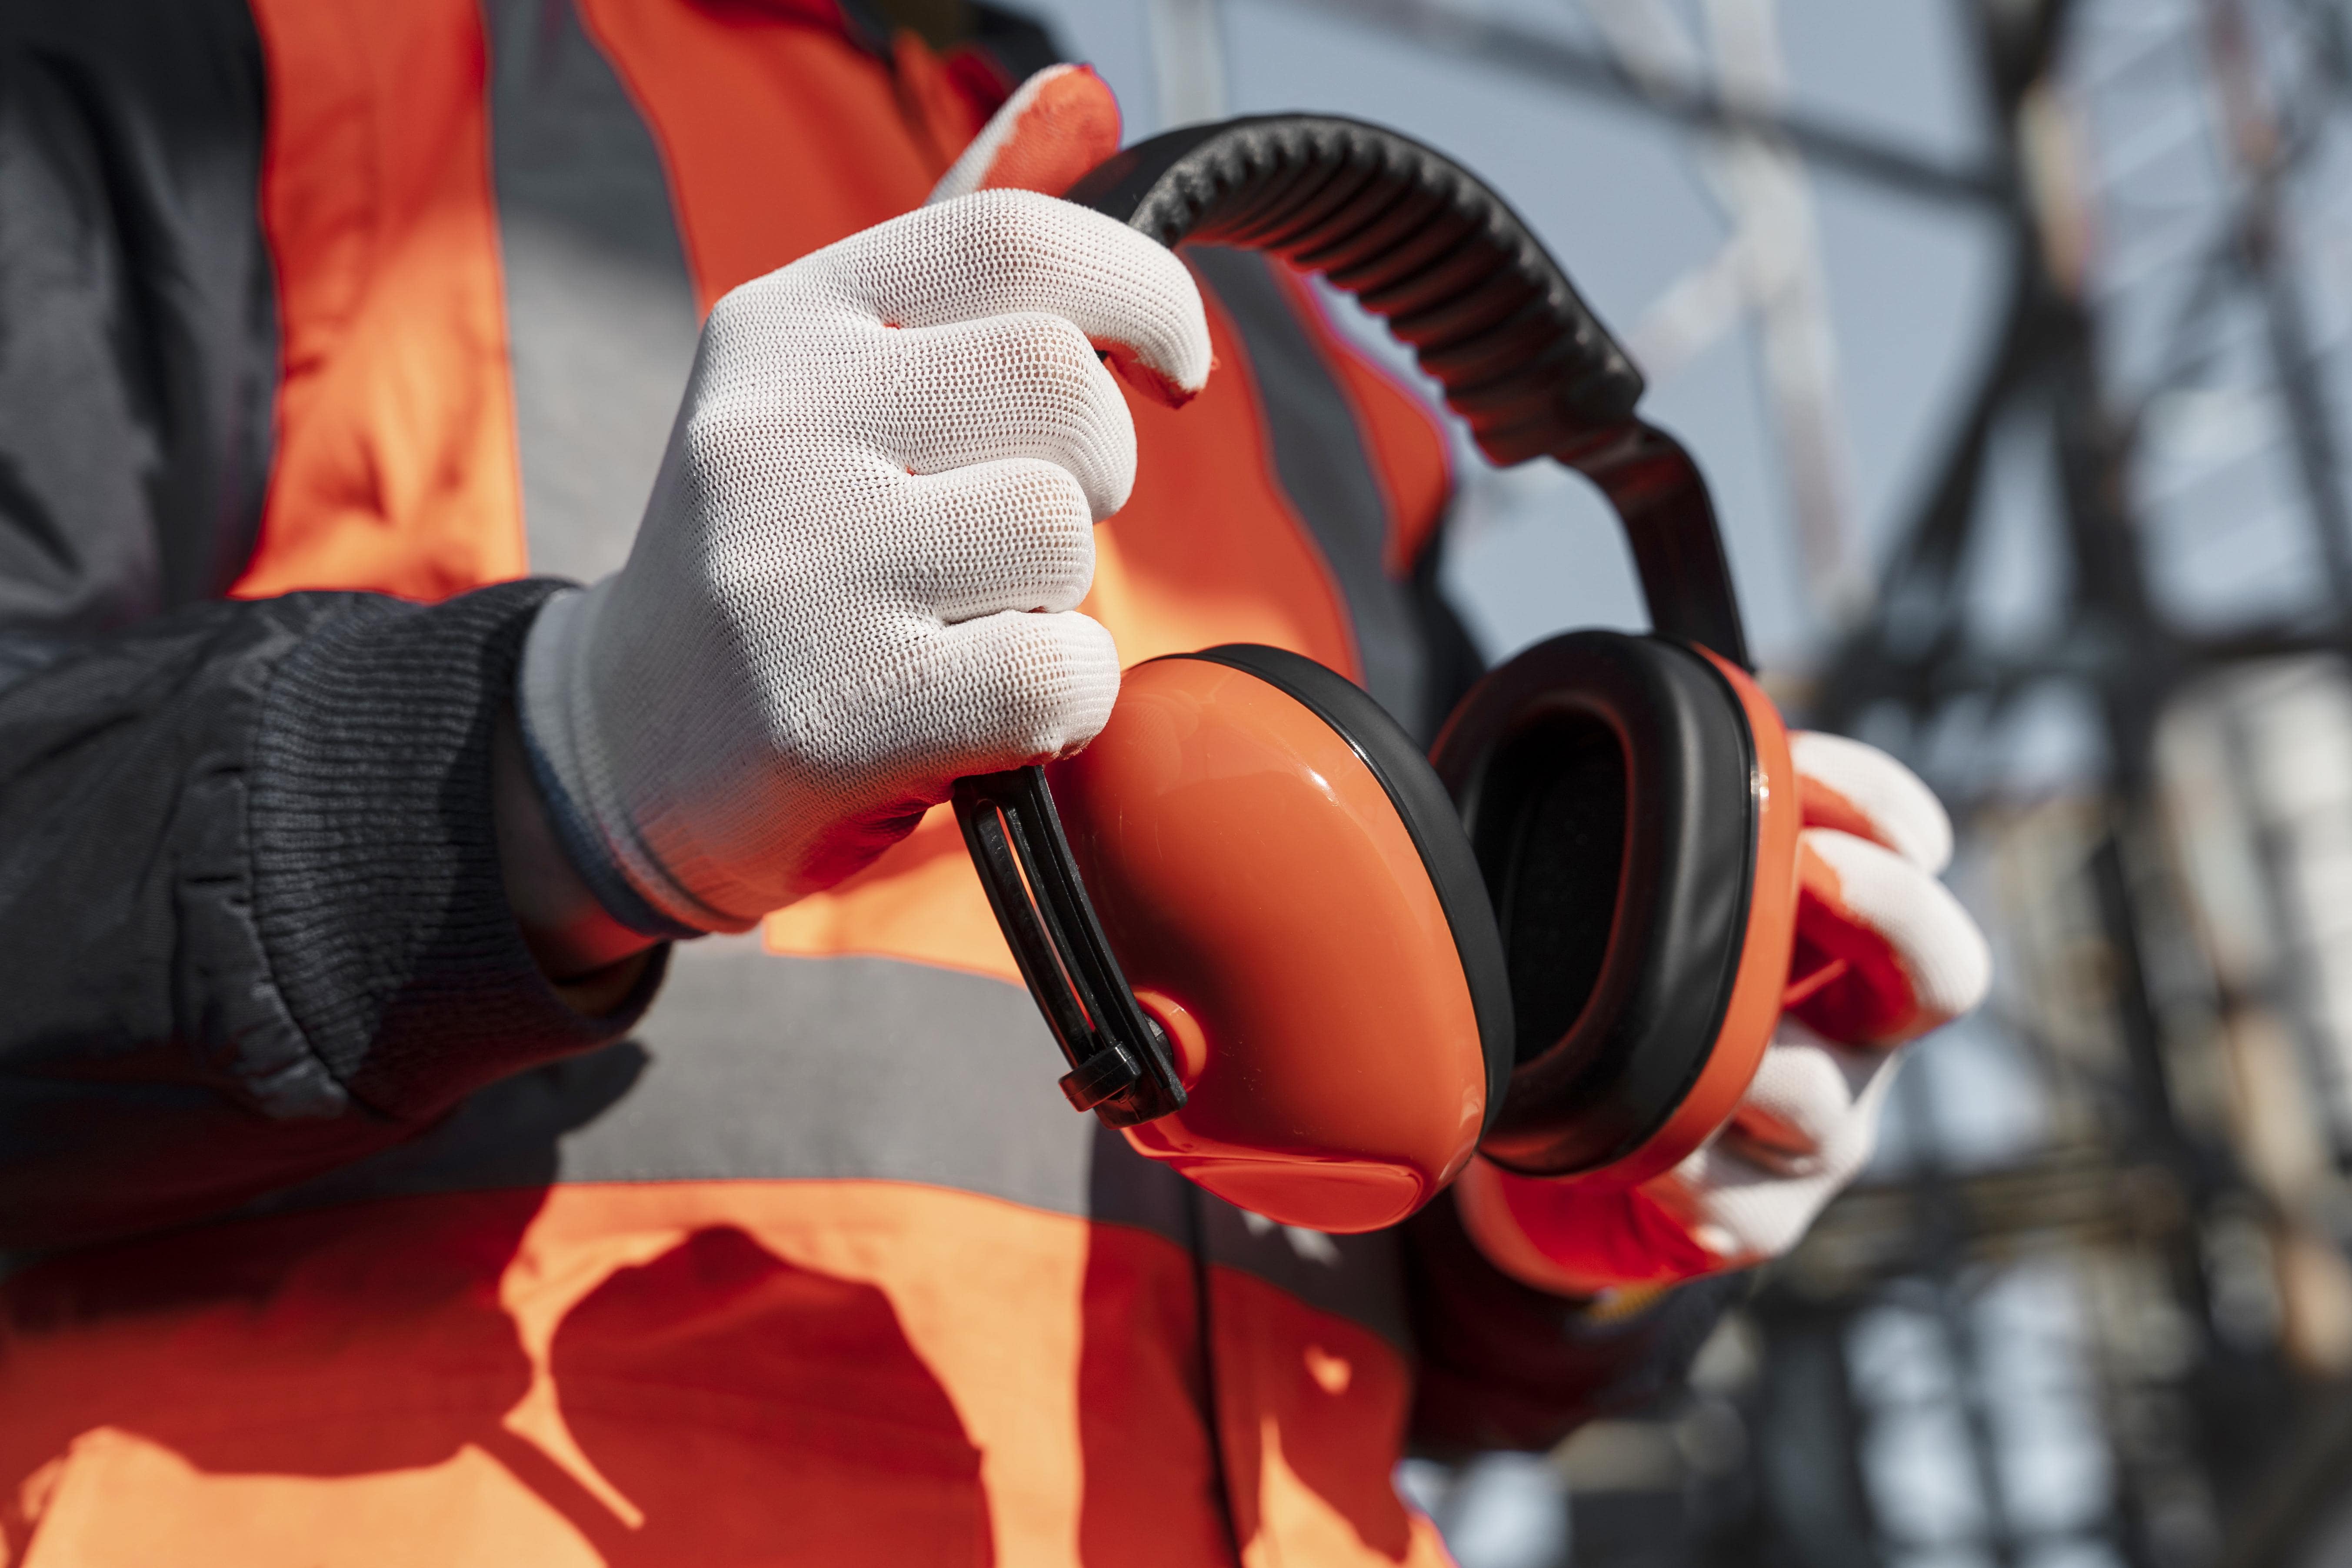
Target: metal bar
2259,148
1557,62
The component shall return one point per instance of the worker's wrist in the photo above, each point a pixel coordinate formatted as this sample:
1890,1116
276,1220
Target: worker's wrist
582,799
589,956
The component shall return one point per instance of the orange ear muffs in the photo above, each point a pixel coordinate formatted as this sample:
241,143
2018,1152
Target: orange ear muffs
1277,948
1632,806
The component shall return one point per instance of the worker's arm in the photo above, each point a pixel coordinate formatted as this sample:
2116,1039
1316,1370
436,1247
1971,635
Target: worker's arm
252,905
281,881
252,917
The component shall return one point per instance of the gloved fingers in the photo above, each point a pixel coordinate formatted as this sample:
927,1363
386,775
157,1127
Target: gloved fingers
1749,1213
1020,386
1744,1204
1861,790
996,253
1057,125
1017,689
1803,1099
1012,535
1884,953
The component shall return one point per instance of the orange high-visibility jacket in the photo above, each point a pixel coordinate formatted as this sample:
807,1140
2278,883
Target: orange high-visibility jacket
815,1266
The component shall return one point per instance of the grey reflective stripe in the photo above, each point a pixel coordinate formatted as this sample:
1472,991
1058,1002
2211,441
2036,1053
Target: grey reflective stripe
1327,471
756,1066
771,1067
601,318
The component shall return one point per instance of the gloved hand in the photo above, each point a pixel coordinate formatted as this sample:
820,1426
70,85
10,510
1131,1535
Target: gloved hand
1883,954
854,581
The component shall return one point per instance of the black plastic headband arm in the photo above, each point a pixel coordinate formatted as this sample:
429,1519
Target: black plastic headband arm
1424,244
1120,1064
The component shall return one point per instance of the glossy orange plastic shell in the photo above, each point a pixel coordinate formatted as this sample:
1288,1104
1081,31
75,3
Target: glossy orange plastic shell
1763,974
1273,912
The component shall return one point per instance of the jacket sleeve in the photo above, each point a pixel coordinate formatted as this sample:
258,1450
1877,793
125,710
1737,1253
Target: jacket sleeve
251,904
1504,1365
251,920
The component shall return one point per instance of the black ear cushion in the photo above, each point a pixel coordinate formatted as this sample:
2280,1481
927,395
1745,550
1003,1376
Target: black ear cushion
1428,815
1605,783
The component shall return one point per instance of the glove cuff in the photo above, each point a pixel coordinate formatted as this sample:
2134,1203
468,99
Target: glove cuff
572,768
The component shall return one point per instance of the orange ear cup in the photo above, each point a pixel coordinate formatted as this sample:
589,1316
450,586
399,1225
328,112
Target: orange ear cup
1276,916
1341,1016
1633,803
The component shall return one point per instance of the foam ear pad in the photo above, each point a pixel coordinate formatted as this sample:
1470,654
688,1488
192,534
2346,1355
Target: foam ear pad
1608,786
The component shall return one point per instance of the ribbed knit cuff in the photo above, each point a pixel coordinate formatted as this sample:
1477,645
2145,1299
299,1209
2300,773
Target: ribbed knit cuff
377,887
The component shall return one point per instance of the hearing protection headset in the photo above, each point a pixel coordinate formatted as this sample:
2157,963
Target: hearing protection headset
1307,966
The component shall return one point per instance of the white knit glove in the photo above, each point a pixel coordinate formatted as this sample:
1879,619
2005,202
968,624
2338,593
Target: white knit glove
1883,954
853,582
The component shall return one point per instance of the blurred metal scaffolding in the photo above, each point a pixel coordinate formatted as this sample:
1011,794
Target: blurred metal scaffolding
2108,1320
2174,930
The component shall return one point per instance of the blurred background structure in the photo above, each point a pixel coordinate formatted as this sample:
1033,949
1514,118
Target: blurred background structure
2016,336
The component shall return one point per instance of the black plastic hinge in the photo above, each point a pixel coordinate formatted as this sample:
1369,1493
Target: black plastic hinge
1120,1065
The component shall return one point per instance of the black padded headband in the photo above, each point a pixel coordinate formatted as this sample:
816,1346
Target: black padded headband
1424,244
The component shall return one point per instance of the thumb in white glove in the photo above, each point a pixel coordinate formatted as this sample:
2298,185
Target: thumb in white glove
854,581
1883,954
